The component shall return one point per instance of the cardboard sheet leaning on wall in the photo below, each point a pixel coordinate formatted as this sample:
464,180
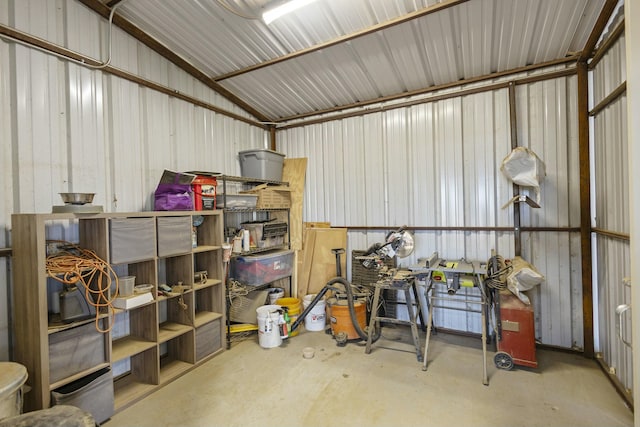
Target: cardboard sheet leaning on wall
522,278
523,167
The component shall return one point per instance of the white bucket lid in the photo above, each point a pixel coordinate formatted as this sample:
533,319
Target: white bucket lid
12,377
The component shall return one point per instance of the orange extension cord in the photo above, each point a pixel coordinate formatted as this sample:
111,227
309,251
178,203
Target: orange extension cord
74,266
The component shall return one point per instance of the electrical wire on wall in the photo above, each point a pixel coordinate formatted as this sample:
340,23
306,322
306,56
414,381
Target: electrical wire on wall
98,66
73,267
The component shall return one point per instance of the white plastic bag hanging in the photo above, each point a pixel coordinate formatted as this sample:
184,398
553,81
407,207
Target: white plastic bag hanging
523,277
524,167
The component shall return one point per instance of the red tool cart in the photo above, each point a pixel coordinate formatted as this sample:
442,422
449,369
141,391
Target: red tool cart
516,333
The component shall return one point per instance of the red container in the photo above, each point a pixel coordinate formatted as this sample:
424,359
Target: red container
204,191
518,330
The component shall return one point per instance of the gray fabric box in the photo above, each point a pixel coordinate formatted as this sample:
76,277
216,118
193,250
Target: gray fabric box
174,235
74,350
208,339
93,393
132,239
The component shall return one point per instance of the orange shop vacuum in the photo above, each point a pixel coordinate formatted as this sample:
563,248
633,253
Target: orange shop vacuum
347,317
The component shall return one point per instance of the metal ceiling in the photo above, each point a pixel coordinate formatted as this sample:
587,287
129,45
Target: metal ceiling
337,53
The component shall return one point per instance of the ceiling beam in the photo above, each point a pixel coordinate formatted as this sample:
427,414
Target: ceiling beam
567,60
463,92
342,39
147,40
598,29
604,47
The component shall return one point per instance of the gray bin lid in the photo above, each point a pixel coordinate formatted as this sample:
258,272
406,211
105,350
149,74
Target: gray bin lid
258,150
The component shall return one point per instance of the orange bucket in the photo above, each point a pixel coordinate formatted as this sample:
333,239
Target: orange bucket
340,319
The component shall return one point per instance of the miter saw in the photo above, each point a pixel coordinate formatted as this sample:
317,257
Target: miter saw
397,243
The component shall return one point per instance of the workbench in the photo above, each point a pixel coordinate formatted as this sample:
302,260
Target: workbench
455,274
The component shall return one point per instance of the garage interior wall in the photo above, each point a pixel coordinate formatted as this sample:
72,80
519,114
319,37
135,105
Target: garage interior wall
437,164
611,213
65,127
433,164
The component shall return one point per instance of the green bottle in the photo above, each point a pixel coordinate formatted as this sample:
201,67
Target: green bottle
287,320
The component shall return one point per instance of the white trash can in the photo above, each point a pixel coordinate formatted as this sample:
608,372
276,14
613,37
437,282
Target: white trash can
12,378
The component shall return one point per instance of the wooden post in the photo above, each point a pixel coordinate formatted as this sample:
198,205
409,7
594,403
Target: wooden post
585,207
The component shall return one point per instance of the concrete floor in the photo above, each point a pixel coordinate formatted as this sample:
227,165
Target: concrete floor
343,386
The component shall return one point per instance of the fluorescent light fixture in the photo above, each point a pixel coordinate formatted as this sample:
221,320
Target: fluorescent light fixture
271,15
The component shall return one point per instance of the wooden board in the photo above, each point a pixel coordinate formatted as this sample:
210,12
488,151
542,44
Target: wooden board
294,172
304,268
319,263
307,225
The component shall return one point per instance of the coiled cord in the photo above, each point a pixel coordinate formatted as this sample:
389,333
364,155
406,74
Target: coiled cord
497,272
74,265
235,290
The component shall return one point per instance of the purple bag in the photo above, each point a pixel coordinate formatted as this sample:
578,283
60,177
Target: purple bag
174,192
173,197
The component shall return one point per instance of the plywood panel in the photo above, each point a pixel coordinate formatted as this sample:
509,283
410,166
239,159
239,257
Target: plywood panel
319,264
294,172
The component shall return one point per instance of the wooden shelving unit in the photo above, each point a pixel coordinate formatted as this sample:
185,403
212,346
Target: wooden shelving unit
149,345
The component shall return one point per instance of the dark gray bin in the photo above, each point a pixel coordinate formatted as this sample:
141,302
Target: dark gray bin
93,393
208,339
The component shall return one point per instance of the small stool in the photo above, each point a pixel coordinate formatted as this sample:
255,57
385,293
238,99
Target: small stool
401,281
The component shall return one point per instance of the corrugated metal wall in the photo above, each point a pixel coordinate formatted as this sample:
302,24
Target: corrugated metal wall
438,164
65,127
611,186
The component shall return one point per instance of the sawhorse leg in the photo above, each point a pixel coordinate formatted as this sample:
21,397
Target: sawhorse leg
485,380
372,321
412,319
416,297
429,324
483,309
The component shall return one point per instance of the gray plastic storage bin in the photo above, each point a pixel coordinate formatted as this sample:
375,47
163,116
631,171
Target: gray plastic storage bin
261,164
93,393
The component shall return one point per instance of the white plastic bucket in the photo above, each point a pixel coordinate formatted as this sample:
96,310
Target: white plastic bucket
275,294
316,319
268,326
126,285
